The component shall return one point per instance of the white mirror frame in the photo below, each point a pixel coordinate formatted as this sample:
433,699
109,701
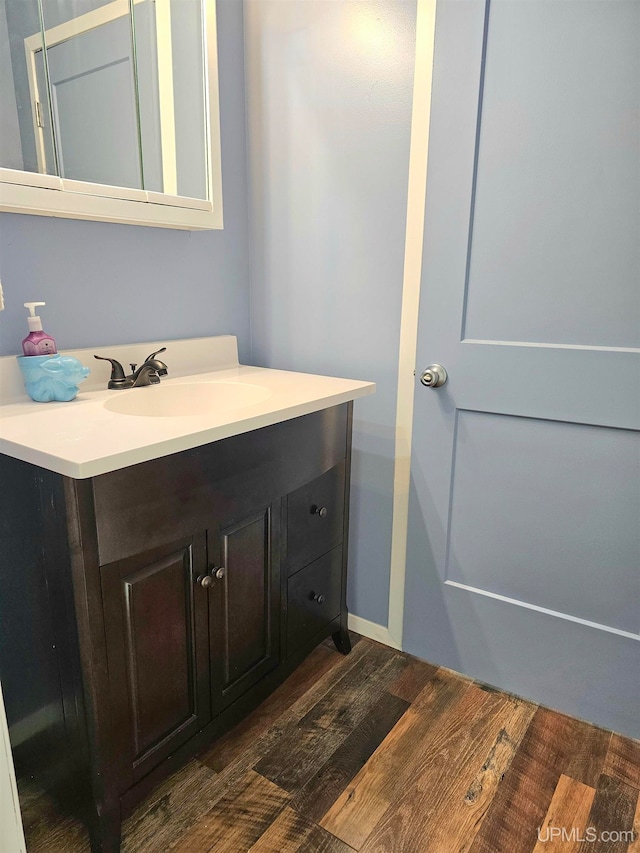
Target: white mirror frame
50,195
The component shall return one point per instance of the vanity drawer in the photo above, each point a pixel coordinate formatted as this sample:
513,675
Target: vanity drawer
313,596
315,518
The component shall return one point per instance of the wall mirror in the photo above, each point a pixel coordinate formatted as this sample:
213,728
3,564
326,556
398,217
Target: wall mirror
110,111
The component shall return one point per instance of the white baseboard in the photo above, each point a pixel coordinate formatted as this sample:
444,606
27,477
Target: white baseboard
30,726
372,630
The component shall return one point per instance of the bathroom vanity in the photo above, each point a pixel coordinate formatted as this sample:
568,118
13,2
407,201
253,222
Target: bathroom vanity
166,598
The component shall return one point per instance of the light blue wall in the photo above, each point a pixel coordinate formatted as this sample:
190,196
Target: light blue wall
109,284
329,111
329,92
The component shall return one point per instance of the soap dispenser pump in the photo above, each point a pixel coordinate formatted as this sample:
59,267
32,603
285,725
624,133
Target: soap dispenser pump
37,341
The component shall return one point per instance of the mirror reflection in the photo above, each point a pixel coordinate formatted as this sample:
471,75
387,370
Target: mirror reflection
106,91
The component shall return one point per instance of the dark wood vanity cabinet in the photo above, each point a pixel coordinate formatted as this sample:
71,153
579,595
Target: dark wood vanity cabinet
189,627
181,591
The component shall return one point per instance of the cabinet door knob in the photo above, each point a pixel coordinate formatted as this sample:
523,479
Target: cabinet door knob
208,580
322,511
318,597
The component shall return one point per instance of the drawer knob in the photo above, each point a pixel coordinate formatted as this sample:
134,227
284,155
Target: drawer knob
322,511
318,597
219,573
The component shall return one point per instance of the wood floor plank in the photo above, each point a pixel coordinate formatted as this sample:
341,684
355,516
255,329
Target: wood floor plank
238,820
551,743
298,756
469,754
442,688
174,805
576,748
585,752
412,679
566,820
292,832
623,760
394,764
379,668
45,829
613,811
230,746
320,792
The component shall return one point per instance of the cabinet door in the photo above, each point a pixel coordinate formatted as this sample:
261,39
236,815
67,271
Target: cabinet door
244,603
156,634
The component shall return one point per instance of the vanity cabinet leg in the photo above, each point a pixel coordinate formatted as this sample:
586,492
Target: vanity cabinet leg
105,833
342,641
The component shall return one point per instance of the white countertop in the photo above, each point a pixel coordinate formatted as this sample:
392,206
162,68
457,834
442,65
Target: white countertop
83,438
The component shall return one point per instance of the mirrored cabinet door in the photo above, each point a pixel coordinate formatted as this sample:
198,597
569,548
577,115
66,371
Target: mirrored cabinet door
26,141
117,99
92,91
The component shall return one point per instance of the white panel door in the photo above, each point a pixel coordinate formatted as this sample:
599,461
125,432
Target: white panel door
523,564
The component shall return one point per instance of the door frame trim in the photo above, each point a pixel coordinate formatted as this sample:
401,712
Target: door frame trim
412,276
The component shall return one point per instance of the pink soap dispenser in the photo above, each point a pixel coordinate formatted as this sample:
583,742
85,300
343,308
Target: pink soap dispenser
37,342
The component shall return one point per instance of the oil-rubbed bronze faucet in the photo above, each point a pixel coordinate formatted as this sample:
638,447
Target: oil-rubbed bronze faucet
148,373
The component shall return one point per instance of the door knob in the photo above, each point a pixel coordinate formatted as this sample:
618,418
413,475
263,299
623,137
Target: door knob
433,376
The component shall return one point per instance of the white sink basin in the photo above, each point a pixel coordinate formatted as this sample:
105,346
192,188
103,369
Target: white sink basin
196,399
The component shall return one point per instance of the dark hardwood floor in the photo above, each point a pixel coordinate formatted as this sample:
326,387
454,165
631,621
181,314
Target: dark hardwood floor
377,751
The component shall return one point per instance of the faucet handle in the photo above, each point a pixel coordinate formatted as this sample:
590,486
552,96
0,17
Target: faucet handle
154,354
118,379
160,366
